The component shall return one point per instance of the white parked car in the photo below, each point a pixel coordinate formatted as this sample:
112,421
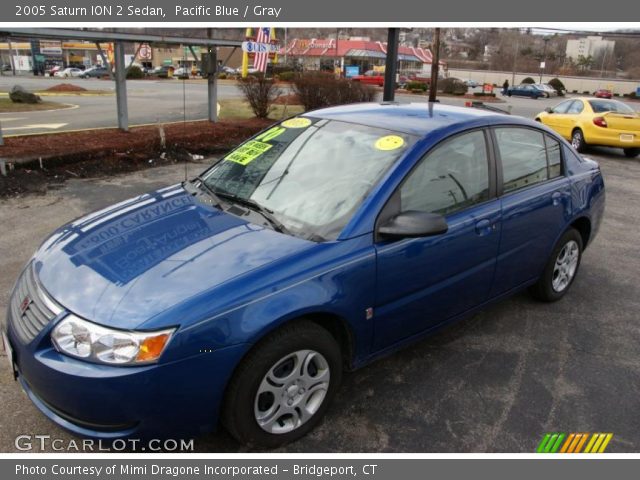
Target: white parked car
68,72
547,89
182,72
229,70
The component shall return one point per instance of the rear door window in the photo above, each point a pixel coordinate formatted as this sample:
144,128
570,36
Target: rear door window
576,107
562,107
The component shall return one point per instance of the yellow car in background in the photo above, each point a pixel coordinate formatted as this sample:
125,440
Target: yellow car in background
595,121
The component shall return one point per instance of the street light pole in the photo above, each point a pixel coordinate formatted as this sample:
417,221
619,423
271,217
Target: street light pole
543,63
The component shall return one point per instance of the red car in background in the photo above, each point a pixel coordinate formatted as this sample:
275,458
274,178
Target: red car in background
603,93
373,77
370,77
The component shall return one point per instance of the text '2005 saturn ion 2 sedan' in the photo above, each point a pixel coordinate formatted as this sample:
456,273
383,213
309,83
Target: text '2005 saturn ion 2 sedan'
320,244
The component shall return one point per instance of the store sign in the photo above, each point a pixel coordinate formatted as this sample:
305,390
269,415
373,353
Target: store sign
187,50
351,71
79,45
22,62
255,47
145,52
50,48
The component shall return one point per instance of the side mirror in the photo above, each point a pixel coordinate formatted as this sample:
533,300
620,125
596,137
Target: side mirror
548,110
413,224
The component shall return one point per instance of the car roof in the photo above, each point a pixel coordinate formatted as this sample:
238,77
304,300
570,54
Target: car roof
588,99
412,118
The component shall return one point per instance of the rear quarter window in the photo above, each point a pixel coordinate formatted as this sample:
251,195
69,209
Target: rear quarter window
523,155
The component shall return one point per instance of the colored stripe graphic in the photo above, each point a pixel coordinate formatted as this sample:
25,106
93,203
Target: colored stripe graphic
557,442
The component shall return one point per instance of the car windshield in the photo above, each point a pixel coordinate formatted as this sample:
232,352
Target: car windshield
311,173
601,106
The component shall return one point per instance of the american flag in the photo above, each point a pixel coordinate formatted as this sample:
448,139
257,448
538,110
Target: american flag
262,58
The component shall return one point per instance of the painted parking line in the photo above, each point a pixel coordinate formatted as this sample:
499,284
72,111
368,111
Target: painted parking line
48,126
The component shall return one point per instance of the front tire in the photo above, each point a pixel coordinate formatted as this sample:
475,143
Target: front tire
283,387
561,269
577,140
631,152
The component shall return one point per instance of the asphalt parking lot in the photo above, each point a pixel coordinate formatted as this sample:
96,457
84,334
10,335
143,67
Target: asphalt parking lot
152,100
493,383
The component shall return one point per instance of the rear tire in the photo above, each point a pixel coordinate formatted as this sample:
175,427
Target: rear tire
577,140
283,387
631,152
561,269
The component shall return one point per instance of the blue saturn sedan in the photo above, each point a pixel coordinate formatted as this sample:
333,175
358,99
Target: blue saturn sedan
526,90
326,241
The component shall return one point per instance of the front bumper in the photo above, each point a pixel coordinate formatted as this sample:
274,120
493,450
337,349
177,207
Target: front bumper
177,399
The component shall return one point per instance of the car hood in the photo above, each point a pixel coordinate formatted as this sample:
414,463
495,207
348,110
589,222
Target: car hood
125,264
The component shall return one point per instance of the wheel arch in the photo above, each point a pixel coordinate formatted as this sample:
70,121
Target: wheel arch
337,326
583,226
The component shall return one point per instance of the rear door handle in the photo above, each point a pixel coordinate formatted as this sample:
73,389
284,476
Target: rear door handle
556,197
484,227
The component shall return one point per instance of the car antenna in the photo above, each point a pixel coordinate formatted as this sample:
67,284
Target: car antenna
184,112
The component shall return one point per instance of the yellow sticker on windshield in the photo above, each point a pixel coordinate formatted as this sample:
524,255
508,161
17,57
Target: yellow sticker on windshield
271,134
248,152
297,122
389,142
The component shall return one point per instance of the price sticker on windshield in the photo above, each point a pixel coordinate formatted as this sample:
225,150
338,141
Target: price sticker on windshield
248,152
298,122
389,142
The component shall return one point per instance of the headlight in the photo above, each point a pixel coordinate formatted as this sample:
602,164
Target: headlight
81,339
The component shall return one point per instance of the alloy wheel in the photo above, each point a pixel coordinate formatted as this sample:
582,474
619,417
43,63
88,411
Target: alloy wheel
565,266
576,140
292,391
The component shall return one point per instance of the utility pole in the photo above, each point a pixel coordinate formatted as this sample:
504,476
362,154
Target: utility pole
435,66
515,60
389,91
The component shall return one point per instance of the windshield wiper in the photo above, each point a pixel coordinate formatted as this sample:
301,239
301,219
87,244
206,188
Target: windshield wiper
255,206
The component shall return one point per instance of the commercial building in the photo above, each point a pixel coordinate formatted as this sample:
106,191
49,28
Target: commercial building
352,55
39,55
178,56
590,46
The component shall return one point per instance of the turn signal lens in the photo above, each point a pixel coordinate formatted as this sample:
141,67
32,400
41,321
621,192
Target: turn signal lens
151,348
600,121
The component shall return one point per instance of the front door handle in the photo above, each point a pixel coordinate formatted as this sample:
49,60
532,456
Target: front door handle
484,227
